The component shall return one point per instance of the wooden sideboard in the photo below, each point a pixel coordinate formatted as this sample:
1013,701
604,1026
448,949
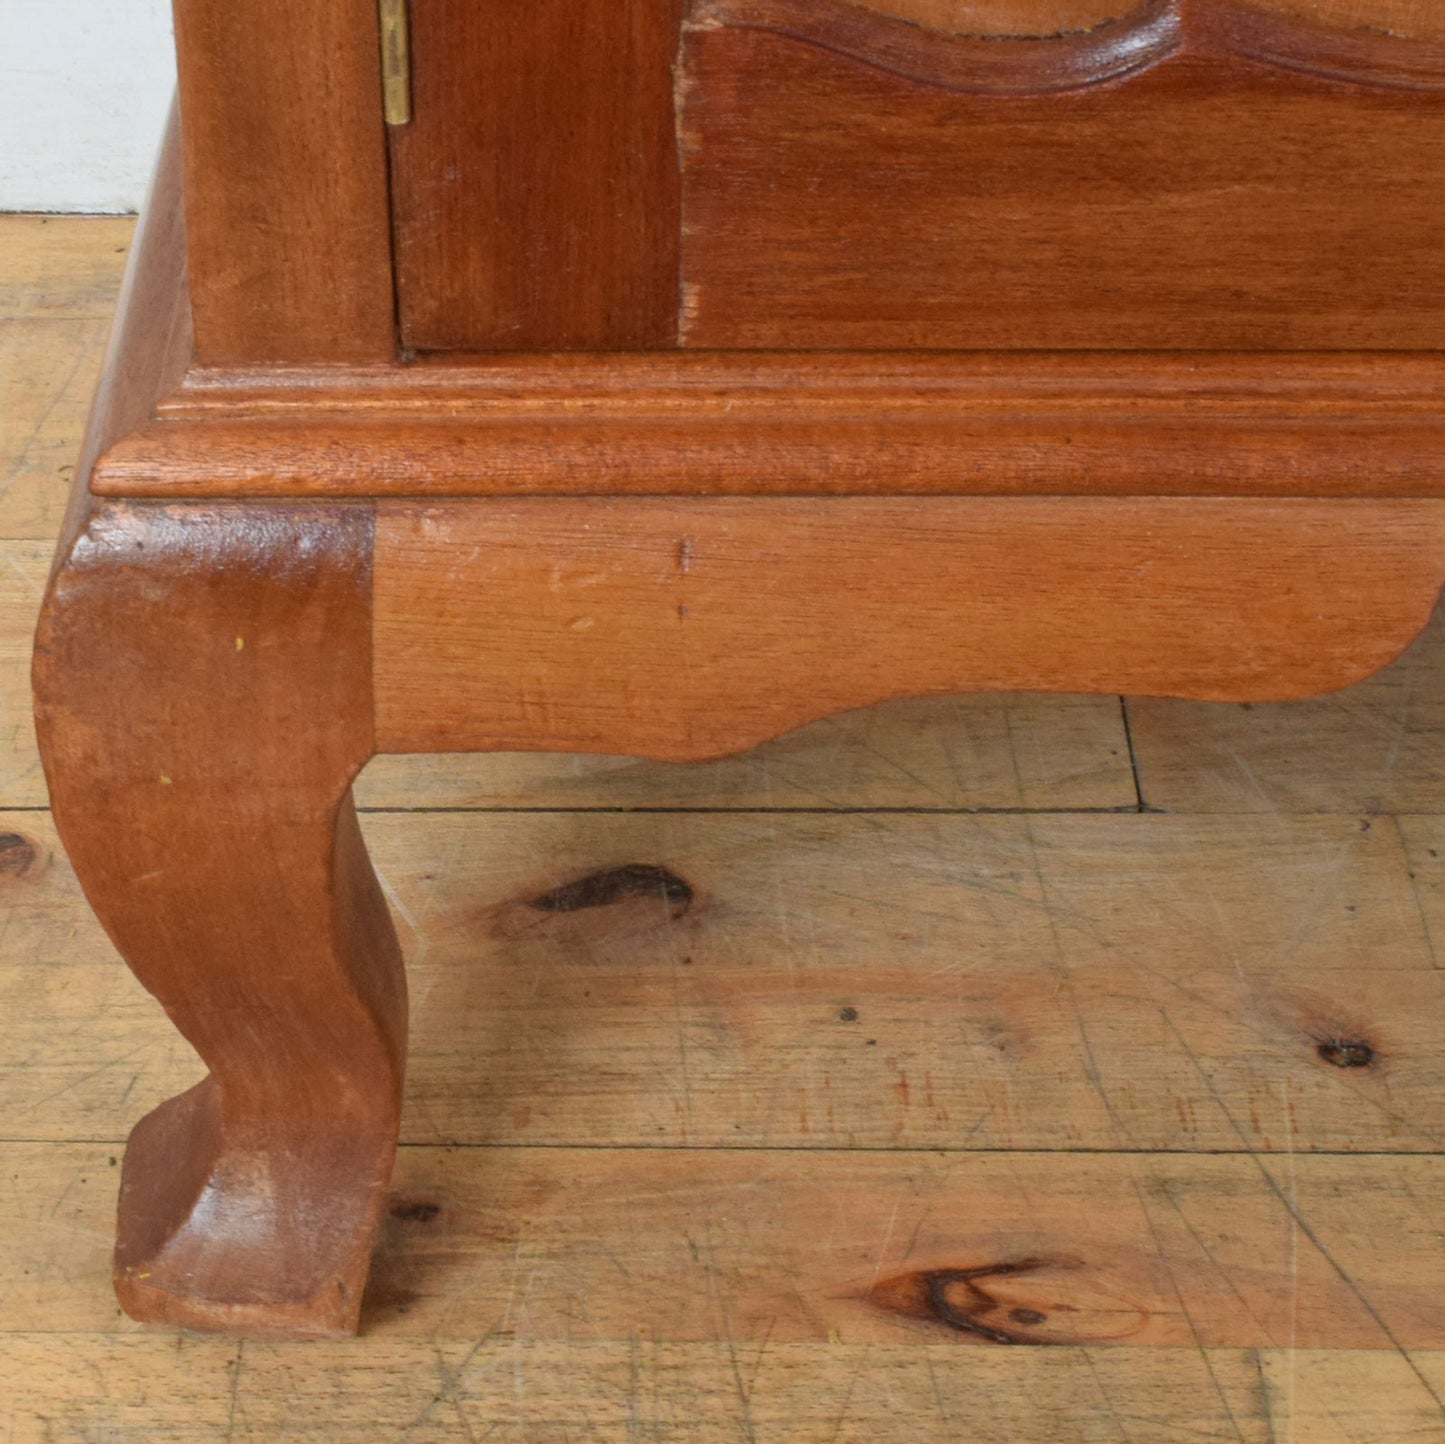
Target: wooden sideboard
652,377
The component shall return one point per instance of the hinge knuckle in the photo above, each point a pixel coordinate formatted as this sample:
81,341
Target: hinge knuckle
395,62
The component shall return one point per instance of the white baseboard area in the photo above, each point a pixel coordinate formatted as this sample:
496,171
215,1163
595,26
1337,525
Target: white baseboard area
84,90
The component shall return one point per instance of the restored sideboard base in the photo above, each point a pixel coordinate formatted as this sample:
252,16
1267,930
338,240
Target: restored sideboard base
211,677
227,639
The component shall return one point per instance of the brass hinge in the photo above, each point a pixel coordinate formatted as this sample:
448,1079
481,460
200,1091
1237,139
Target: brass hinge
395,62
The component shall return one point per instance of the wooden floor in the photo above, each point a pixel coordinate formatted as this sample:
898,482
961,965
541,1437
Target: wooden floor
1114,1028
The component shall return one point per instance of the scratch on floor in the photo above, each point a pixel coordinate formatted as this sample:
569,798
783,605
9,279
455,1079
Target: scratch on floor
237,1364
1187,1316
1303,1227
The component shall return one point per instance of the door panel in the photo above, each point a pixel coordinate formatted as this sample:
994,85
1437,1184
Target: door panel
863,174
535,191
1215,177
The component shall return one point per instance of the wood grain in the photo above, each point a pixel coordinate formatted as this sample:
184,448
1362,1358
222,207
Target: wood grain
803,424
1003,17
1206,202
1146,1251
59,276
62,267
628,1389
250,1201
880,982
70,1386
1424,841
24,567
768,1249
1415,18
691,629
1050,982
984,751
152,337
549,219
571,1358
287,212
1420,19
1157,32
48,371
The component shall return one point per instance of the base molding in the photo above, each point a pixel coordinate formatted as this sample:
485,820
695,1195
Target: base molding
804,424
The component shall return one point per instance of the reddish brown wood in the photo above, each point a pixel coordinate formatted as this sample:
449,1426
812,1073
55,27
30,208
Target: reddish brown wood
689,629
536,190
1420,19
183,658
203,686
151,343
686,423
1243,180
286,189
549,216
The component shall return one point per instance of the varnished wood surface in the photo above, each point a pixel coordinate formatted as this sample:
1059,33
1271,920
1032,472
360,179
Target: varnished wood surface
738,424
289,224
250,1200
536,188
793,176
688,629
1318,42
291,207
1216,34
1416,18
1223,190
152,337
74,1370
984,751
1345,424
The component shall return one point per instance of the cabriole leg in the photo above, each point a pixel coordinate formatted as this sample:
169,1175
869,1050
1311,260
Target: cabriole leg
203,683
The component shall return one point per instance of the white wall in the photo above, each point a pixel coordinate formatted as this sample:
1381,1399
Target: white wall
84,89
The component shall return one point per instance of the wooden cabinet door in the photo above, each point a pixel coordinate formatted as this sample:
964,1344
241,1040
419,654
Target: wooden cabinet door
535,190
879,175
